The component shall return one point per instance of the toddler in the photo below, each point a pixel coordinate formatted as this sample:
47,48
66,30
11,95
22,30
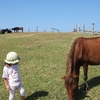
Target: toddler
11,75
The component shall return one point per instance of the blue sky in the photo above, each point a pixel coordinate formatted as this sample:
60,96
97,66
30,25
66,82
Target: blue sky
60,14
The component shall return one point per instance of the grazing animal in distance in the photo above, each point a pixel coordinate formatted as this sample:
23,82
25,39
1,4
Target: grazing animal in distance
16,29
3,31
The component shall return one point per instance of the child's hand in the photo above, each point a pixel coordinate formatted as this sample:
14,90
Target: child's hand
7,87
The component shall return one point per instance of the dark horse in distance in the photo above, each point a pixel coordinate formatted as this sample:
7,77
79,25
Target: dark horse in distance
16,29
3,31
83,52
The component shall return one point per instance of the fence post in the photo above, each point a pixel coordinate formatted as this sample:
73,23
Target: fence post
93,28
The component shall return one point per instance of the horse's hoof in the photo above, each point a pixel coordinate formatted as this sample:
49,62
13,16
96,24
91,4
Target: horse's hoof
85,90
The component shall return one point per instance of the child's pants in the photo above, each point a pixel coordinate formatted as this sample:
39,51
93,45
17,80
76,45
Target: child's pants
13,91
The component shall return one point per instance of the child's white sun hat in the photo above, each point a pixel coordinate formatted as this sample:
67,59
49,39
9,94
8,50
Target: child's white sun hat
12,58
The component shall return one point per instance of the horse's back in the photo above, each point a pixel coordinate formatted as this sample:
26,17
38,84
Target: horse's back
90,50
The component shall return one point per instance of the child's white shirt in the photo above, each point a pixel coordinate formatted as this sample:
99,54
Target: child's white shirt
12,74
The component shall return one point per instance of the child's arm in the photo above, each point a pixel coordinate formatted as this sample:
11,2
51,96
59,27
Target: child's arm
6,83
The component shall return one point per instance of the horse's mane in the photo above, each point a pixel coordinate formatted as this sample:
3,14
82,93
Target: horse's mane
70,57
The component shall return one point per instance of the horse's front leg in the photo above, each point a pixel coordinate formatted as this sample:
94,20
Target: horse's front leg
85,69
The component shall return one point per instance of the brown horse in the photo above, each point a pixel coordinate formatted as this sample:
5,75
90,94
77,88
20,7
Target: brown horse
83,52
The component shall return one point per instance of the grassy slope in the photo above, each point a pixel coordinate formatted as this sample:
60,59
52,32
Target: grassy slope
43,62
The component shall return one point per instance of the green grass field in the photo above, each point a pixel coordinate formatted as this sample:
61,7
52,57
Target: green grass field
43,63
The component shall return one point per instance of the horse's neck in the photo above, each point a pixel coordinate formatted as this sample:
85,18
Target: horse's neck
73,58
73,71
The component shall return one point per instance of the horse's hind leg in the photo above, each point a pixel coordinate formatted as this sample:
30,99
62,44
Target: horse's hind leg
85,69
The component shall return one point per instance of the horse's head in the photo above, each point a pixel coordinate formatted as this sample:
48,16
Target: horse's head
71,83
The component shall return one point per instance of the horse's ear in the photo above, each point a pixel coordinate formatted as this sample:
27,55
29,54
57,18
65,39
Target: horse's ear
63,77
